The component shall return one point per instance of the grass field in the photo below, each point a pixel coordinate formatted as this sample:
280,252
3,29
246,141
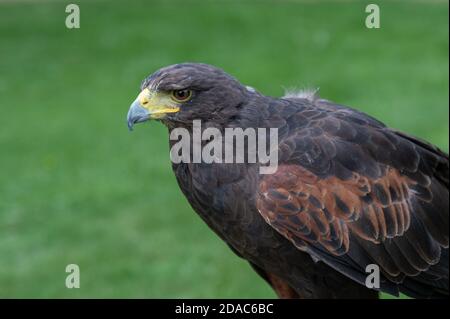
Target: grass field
77,187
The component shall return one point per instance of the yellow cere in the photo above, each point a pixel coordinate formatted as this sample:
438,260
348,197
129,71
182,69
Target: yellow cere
157,103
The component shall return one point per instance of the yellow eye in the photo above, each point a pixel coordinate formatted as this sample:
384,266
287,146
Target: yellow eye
181,95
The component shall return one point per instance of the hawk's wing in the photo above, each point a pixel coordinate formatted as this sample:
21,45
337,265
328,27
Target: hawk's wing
352,192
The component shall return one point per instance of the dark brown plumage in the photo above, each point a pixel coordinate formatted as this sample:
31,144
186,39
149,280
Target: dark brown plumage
348,192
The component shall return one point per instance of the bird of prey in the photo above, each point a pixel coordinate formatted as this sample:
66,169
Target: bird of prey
348,192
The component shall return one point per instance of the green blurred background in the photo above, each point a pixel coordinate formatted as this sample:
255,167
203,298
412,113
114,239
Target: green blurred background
77,187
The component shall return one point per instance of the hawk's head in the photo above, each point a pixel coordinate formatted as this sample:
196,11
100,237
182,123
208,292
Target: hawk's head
183,92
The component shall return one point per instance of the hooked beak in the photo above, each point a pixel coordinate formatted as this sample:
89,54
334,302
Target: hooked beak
136,114
150,105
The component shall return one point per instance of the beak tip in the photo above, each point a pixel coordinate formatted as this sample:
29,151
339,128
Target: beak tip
136,114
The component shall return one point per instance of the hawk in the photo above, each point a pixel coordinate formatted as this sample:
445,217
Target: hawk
348,193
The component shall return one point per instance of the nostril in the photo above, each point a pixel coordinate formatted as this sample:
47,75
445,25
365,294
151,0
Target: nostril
145,102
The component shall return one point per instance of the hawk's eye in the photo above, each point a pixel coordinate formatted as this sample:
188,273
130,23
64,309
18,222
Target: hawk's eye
181,95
